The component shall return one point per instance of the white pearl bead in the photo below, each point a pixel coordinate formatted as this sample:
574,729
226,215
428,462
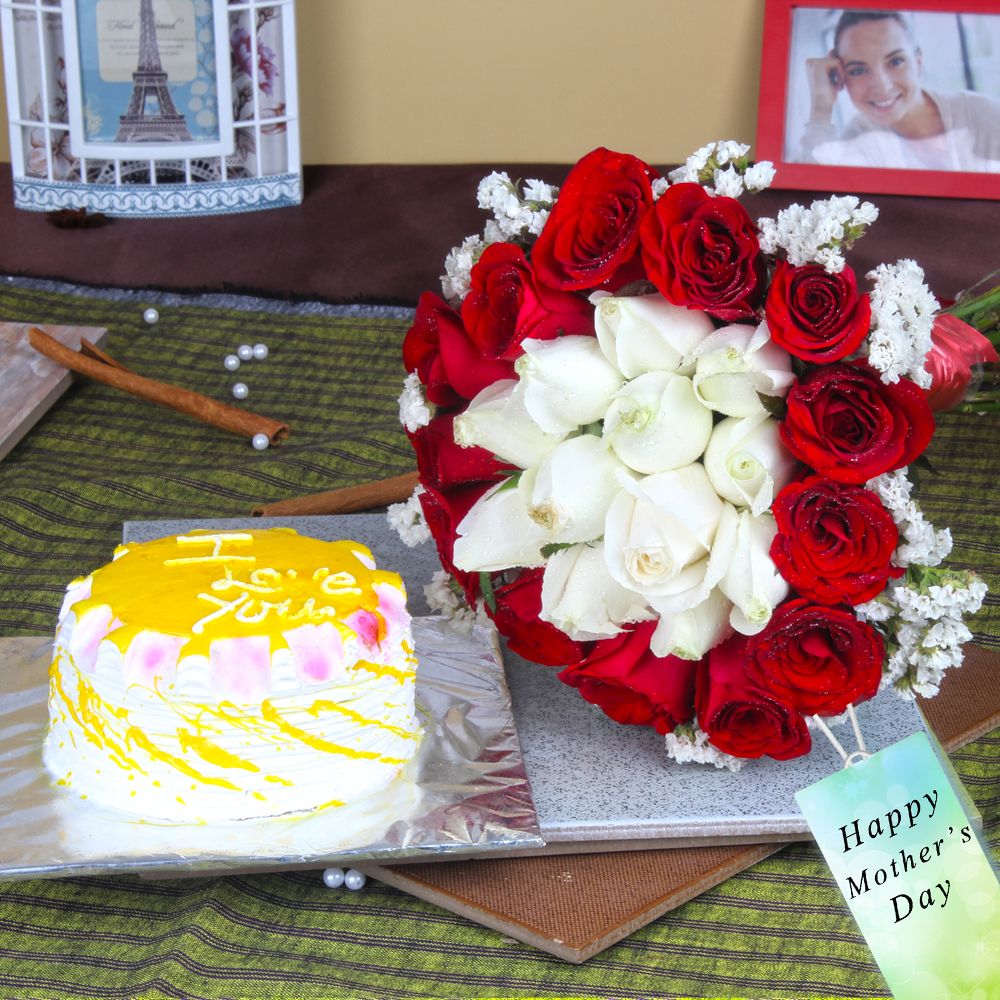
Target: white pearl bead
260,351
333,878
261,442
245,352
354,879
151,315
231,362
240,390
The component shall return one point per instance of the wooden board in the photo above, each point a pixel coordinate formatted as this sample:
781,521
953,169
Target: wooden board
29,382
574,906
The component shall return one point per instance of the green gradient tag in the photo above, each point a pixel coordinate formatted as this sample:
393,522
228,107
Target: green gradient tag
907,858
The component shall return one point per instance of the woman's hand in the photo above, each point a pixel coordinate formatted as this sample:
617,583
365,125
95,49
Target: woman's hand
826,80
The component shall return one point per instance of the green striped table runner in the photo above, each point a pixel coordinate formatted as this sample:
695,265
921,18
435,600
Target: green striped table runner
99,458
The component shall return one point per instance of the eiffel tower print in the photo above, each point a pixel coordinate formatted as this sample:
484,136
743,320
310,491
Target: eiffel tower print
151,115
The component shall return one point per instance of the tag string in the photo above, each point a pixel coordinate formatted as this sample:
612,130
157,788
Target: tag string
856,756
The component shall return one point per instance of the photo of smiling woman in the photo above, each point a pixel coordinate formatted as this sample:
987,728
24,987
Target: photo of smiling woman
894,89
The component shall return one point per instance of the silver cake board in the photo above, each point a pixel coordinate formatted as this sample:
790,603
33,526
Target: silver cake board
599,786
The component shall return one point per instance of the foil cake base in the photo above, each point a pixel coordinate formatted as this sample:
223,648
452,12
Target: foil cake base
469,793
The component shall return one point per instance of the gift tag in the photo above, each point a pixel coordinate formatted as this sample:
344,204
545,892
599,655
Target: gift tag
908,860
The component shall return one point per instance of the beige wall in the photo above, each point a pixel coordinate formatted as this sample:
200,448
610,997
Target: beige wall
421,81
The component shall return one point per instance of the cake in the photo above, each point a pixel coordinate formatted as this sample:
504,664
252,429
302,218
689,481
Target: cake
230,675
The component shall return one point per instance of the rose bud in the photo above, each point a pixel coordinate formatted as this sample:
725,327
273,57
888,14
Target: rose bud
580,597
956,349
498,421
444,357
646,333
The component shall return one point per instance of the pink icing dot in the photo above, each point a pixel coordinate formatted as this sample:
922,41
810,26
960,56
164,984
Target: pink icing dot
152,656
241,668
317,651
366,625
87,634
392,607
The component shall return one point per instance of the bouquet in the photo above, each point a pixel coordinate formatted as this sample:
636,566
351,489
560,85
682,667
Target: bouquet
665,447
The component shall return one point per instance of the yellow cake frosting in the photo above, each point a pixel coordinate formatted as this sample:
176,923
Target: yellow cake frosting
230,675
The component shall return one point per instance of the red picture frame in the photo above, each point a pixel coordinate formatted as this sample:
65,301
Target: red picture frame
773,103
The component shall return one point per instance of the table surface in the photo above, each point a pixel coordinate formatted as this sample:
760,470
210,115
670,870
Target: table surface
98,459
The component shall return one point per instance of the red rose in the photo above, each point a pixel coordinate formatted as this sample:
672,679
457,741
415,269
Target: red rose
442,463
631,685
518,605
592,234
446,360
816,659
702,252
740,717
814,315
834,542
505,305
957,349
848,424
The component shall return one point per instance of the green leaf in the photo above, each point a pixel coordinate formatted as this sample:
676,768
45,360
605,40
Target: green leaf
775,405
513,478
486,587
553,547
923,463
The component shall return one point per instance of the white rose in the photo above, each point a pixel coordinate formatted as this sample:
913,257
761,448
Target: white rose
644,333
736,363
751,580
691,634
656,423
497,533
498,421
658,538
567,382
746,461
569,493
581,598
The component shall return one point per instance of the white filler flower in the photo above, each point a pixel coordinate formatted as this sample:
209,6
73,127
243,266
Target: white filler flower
414,412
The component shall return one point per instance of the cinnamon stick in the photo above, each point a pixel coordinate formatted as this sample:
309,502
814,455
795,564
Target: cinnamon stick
102,368
91,350
343,501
